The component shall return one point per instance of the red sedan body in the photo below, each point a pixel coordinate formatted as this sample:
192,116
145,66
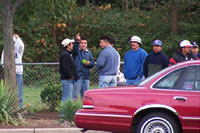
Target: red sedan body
167,102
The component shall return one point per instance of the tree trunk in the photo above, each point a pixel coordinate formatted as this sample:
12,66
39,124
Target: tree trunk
9,61
8,10
123,4
174,17
126,4
132,4
87,3
138,4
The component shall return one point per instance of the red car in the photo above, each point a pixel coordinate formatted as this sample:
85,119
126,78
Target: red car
166,102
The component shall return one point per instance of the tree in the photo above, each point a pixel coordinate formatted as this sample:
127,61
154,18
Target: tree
174,17
124,4
9,7
87,3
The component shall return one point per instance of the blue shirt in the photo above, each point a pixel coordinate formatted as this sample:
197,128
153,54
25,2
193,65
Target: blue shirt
108,61
133,63
79,55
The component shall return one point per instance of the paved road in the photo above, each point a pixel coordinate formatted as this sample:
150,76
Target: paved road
47,130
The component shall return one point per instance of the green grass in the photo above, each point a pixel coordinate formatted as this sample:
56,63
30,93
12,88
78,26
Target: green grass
32,99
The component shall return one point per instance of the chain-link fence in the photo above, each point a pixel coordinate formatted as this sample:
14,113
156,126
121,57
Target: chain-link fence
38,74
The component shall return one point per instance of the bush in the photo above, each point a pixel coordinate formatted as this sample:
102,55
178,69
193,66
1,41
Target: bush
51,95
8,103
69,108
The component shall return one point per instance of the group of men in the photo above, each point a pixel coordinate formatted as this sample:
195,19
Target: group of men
76,60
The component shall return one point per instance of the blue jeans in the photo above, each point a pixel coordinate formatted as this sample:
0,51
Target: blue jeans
67,86
135,81
19,78
80,87
107,81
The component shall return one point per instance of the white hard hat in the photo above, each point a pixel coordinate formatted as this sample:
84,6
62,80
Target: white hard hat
67,41
185,43
135,39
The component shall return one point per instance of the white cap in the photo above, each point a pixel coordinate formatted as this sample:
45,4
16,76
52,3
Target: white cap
135,39
185,43
67,41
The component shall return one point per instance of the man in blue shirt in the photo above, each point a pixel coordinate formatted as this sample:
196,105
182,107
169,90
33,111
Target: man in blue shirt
107,63
134,61
83,61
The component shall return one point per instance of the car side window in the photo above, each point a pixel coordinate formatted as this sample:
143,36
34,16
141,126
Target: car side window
197,83
189,80
170,81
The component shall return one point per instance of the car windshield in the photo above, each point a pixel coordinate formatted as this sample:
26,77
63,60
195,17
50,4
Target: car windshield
142,83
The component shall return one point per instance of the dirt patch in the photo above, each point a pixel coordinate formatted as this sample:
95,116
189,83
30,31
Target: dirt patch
39,120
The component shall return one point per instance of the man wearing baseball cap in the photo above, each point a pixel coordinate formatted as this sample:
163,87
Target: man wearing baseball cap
183,54
134,61
156,60
67,69
195,49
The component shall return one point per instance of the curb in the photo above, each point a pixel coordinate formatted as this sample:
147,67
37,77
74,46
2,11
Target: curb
48,130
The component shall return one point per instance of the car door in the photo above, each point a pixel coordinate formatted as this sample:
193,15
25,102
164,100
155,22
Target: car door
186,100
183,85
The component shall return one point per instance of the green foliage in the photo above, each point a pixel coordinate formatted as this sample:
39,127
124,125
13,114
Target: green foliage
43,25
51,95
69,108
8,103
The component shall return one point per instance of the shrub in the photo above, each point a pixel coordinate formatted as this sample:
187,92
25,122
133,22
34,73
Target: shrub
51,95
8,103
69,108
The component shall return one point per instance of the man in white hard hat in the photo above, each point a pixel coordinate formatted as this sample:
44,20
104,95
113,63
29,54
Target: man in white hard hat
67,69
183,54
134,61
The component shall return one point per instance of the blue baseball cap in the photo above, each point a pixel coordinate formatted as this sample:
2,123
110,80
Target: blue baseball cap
195,44
157,42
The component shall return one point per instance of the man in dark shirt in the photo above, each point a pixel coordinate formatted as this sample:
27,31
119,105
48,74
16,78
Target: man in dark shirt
156,60
83,60
195,49
67,69
183,54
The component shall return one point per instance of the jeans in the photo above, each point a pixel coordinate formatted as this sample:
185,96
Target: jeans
67,86
135,81
107,81
80,87
20,90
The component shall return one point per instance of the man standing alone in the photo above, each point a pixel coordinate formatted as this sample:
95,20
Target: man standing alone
107,63
134,61
67,69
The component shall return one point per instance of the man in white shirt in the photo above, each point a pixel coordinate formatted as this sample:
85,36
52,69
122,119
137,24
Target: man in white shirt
19,50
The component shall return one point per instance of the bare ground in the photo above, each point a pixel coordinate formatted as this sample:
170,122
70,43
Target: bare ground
39,120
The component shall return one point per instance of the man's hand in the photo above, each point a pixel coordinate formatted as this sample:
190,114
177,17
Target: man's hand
78,38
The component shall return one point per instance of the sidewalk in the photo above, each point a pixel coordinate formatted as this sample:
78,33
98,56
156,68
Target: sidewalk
48,130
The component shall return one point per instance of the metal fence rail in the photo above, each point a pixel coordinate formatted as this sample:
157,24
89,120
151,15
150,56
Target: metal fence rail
38,74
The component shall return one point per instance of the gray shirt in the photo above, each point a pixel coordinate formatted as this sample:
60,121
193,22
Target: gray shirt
108,61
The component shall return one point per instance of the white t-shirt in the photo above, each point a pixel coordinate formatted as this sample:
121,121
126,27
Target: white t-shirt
19,50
